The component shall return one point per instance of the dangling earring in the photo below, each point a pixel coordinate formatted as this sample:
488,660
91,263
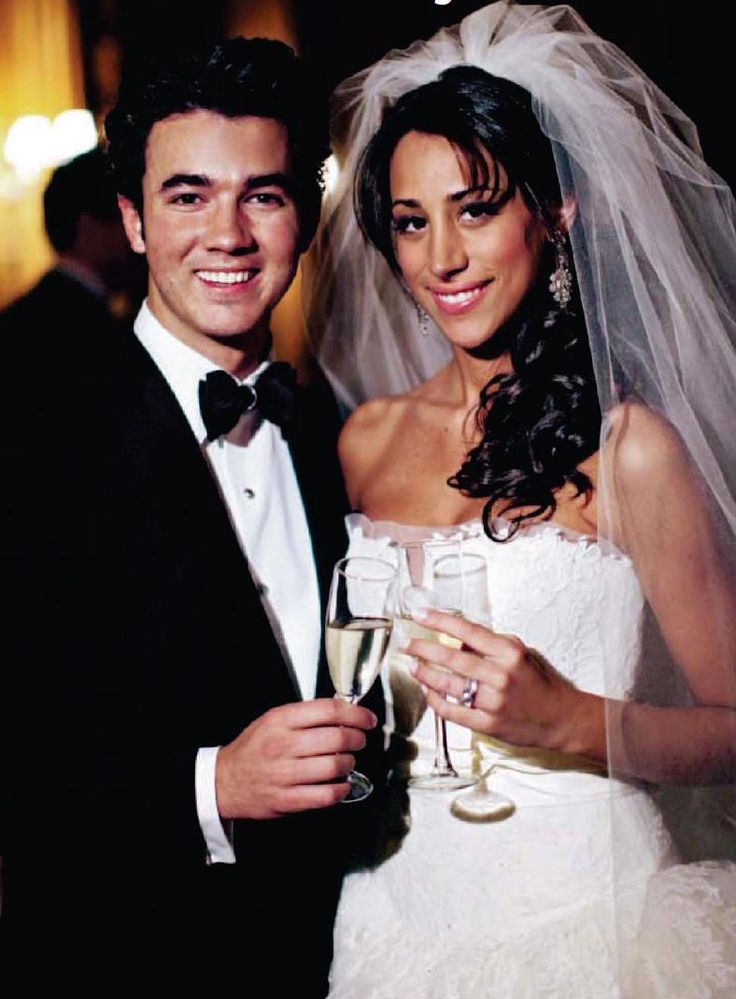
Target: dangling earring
560,280
423,320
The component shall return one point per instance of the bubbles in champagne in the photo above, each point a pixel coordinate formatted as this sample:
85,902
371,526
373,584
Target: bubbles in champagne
355,651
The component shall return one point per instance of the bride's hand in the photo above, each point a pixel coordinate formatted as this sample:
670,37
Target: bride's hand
518,696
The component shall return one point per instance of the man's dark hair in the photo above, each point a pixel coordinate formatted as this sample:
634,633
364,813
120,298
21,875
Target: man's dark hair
238,77
81,186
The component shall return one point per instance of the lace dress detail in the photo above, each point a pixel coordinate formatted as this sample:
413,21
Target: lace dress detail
533,906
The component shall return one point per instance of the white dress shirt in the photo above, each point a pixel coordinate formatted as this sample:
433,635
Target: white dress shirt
253,470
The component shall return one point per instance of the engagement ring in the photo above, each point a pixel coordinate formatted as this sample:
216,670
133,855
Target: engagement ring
470,690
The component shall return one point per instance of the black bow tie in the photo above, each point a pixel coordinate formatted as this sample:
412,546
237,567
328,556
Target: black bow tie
222,401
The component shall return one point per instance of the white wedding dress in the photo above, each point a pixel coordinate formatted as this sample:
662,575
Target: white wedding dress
539,905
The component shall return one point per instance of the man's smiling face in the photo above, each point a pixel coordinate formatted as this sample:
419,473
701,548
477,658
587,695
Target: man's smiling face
220,228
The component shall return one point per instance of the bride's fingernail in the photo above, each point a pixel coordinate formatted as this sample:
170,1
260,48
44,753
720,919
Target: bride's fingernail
403,645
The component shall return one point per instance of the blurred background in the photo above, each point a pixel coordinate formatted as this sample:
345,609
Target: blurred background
60,63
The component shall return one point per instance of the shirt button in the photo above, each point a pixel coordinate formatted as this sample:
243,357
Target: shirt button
262,590
248,493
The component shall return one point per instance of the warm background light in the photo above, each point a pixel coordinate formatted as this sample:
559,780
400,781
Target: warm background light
27,146
34,142
72,132
40,75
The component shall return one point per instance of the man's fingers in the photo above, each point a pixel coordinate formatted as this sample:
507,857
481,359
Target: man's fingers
299,799
322,769
287,744
320,741
321,712
289,751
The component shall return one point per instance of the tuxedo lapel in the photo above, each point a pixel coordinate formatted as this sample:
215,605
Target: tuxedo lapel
173,476
313,443
312,440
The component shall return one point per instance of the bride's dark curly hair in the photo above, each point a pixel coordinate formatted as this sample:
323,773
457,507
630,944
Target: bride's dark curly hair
540,421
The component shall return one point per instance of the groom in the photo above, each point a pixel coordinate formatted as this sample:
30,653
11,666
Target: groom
170,786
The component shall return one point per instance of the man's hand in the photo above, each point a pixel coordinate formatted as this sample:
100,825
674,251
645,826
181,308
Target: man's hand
283,760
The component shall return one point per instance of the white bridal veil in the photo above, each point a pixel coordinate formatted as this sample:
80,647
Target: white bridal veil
654,246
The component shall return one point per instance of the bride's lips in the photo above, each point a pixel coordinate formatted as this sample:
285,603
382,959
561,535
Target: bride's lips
458,299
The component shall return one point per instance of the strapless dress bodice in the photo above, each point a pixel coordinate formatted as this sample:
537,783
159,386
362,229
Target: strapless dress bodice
555,589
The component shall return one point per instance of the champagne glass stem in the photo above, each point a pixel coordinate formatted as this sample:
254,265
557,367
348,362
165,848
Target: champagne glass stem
423,591
360,785
442,765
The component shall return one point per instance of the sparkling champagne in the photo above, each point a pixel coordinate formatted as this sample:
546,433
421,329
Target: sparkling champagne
354,654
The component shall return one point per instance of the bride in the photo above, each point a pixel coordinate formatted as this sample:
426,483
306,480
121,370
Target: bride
540,207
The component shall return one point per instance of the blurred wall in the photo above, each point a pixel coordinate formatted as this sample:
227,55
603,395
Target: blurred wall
262,18
40,73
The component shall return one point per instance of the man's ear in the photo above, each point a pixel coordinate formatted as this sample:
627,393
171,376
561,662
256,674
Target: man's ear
132,223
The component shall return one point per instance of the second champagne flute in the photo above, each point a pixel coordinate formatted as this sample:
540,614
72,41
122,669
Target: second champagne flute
428,588
460,581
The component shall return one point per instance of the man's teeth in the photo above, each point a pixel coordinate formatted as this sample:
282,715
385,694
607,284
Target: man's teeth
458,297
226,277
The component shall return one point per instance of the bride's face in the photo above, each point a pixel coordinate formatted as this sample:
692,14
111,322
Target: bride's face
467,258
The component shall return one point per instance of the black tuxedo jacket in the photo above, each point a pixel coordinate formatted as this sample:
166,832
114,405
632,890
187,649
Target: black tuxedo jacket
136,636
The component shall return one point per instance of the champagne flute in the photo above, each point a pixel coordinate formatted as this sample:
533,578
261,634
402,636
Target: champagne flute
431,585
358,628
458,581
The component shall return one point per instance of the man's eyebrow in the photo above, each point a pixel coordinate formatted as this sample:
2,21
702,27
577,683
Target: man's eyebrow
253,183
186,180
281,180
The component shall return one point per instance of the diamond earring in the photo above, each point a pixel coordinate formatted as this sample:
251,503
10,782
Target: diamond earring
423,320
560,280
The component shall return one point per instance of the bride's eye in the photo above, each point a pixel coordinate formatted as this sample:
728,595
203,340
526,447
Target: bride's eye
405,224
479,210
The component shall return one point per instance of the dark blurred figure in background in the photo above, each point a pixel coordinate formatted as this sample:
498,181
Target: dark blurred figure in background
67,312
93,262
